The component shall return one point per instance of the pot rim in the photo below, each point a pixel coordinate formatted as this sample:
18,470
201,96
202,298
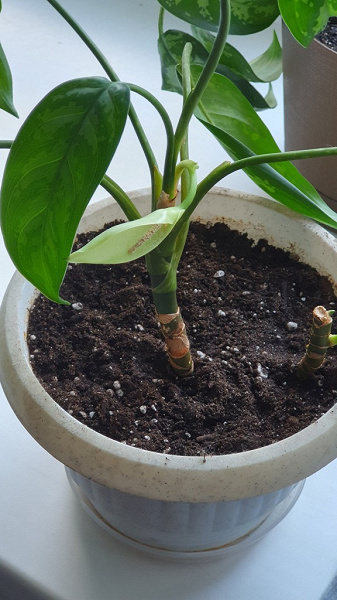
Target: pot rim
147,473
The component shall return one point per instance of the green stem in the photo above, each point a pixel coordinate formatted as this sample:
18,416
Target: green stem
209,68
273,157
188,166
6,144
113,76
187,88
121,198
169,164
226,168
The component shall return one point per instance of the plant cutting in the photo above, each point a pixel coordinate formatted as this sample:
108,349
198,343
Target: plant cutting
58,159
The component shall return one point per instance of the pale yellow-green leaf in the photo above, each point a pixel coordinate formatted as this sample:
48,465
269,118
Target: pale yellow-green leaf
128,241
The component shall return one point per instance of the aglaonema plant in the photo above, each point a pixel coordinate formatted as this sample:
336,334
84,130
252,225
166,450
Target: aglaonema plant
63,149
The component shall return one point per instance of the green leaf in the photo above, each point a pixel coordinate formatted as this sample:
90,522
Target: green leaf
202,13
257,101
171,45
129,241
300,197
268,66
250,16
247,16
230,117
55,164
306,19
6,85
265,68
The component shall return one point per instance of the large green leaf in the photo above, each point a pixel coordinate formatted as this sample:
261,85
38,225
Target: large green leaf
56,162
265,68
304,201
247,16
6,85
250,16
171,45
203,13
128,241
228,115
306,19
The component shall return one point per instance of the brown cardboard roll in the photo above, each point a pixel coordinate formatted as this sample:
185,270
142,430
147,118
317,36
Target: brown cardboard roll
310,109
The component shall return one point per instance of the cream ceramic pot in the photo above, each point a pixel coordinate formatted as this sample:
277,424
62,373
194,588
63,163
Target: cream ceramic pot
163,503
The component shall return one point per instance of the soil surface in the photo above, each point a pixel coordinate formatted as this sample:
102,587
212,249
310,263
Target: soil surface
328,36
248,313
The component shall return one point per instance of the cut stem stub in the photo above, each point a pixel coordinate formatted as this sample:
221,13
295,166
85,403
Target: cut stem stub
319,342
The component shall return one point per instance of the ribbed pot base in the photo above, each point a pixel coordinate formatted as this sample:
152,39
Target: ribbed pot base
235,545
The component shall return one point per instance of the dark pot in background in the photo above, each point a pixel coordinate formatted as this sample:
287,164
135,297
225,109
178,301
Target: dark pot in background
310,109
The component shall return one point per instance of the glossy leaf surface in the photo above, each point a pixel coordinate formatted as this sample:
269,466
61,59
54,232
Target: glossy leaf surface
228,115
56,162
232,64
306,19
171,45
250,16
128,241
6,85
266,67
247,16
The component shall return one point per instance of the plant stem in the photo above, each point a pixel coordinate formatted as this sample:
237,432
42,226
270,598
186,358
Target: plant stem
177,343
209,68
121,198
318,344
187,88
226,168
113,76
169,318
169,162
162,266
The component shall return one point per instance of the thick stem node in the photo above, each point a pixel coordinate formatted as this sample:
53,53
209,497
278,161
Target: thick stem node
165,201
318,344
177,344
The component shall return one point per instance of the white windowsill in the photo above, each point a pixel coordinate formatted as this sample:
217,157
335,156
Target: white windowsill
49,548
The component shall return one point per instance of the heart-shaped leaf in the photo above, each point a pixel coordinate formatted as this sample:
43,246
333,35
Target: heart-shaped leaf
128,241
55,164
247,16
307,19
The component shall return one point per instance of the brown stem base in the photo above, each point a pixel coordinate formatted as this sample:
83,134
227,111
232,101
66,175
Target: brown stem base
177,343
318,344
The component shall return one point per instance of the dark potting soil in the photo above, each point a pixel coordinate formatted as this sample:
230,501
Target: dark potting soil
328,36
248,313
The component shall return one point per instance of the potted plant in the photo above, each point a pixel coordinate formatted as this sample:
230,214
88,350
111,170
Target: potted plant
309,66
156,500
